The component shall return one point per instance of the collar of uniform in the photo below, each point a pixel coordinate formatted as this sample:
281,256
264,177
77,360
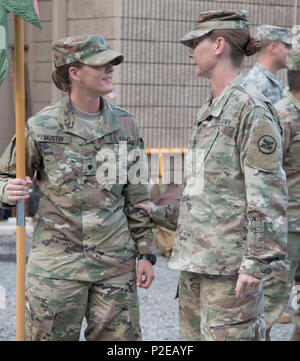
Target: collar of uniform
272,77
293,99
69,122
106,124
216,108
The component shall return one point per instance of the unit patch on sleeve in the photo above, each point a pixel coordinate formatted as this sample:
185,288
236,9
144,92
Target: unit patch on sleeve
264,146
267,144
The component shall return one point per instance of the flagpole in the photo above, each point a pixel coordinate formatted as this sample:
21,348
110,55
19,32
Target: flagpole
20,173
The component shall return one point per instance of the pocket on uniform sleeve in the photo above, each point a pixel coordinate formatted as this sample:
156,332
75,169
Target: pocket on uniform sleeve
38,319
255,237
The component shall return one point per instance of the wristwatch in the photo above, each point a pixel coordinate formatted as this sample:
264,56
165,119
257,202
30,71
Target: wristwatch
148,257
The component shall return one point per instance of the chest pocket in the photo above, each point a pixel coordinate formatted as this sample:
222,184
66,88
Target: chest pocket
61,162
112,163
202,140
225,145
292,158
215,143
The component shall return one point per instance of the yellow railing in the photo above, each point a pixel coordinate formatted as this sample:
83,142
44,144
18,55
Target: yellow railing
161,151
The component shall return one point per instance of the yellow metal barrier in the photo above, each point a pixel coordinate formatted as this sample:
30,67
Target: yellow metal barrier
161,151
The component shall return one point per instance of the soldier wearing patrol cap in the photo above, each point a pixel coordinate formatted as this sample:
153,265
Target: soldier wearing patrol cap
276,42
231,218
289,112
88,234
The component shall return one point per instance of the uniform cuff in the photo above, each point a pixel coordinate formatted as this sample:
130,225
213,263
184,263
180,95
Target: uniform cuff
280,270
5,202
254,268
145,246
157,213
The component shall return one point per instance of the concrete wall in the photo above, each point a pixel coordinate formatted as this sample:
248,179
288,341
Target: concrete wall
39,58
157,81
82,17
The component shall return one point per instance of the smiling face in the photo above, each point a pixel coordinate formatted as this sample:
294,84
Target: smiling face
93,80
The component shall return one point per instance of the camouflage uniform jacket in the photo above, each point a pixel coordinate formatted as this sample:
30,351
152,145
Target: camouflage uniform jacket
85,230
232,214
267,83
289,112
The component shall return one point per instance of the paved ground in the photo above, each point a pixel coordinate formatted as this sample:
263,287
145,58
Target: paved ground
159,310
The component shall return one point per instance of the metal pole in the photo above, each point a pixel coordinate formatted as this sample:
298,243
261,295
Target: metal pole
20,173
295,11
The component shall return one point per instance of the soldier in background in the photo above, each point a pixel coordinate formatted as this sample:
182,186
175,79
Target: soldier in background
289,111
276,42
88,234
231,219
272,57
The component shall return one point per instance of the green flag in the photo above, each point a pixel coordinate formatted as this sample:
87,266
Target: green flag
3,44
26,9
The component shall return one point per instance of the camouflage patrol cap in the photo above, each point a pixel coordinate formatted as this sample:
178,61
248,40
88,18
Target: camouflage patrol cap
88,49
273,33
293,60
217,19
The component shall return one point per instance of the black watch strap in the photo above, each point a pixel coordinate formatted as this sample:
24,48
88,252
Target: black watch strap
148,257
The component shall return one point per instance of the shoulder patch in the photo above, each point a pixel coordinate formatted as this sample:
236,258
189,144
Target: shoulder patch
265,147
267,144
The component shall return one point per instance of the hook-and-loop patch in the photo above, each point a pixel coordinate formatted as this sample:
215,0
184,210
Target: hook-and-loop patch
265,146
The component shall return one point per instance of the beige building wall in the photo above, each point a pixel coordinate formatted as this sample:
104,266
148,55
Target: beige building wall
80,17
157,81
39,59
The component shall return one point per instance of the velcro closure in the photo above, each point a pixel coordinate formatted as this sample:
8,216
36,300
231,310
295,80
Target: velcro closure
265,147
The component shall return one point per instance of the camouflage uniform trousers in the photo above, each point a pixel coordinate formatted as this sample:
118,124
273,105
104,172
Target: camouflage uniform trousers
277,292
210,311
55,309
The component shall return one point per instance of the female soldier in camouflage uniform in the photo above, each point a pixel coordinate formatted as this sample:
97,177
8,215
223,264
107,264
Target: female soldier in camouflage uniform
231,229
83,254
